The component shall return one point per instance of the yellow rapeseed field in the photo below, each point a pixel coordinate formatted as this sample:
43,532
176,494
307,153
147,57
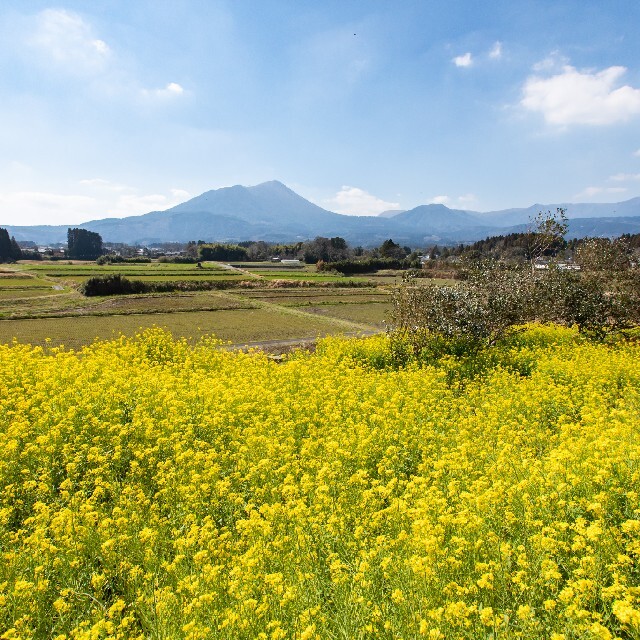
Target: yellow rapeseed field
155,489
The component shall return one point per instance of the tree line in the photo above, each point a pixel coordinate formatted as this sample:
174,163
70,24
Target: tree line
81,245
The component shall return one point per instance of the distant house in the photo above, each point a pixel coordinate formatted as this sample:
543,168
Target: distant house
563,266
54,252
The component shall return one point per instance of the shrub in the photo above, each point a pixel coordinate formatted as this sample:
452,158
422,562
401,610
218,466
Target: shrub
467,316
493,300
114,259
348,267
113,284
178,259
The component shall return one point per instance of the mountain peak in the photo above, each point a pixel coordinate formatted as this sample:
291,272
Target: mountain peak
271,184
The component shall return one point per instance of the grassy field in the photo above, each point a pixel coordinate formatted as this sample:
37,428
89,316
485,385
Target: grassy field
11,295
77,272
312,298
265,266
40,314
40,301
76,279
238,326
24,283
315,277
375,314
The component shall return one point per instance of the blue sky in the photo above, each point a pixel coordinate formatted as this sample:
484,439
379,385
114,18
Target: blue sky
117,108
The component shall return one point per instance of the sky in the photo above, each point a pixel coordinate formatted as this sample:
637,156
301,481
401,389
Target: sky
117,108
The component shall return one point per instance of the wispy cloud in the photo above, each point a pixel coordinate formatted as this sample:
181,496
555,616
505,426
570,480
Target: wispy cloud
67,43
555,61
463,202
37,207
355,201
101,183
132,204
467,200
496,51
625,177
172,90
574,97
465,60
119,200
98,198
66,40
591,192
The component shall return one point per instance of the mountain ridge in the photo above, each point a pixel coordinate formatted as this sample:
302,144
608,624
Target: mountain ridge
273,212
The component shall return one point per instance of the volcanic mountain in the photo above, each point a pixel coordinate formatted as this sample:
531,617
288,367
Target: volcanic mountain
271,211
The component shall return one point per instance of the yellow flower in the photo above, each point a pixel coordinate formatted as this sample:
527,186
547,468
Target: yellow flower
487,616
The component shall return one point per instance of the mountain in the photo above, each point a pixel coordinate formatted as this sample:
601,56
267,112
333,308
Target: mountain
266,211
508,217
390,213
271,211
437,218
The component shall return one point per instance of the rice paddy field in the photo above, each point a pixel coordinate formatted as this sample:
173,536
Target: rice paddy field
152,487
40,303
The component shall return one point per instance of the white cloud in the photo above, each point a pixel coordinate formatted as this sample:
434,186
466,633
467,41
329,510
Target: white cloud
173,89
101,183
133,205
120,200
467,200
590,98
591,192
65,39
496,51
102,199
637,153
462,202
36,207
465,60
555,61
626,177
354,201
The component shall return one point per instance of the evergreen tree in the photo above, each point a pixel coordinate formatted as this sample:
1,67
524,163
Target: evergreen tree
16,251
83,244
391,249
6,252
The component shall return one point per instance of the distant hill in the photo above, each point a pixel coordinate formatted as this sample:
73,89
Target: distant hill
271,211
391,213
509,217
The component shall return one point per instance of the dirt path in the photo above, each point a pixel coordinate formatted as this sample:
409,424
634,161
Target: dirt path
347,325
279,347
